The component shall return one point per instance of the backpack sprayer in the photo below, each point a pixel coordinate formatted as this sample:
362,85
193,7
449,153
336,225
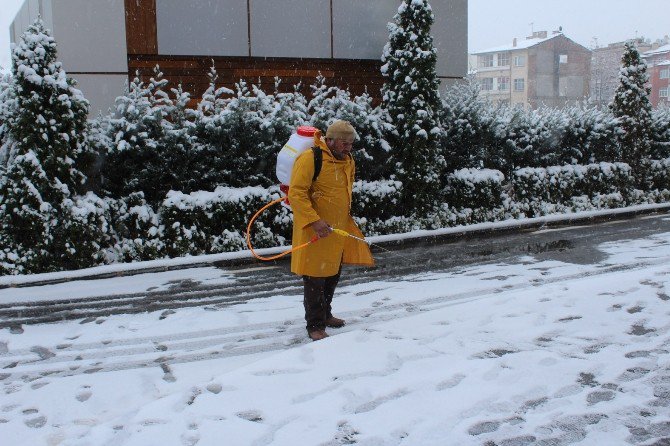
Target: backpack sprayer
304,138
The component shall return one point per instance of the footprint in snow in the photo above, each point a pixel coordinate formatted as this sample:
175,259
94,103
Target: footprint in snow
600,396
167,373
84,395
190,438
572,389
42,352
345,434
587,380
633,373
451,382
484,427
36,422
251,415
640,330
39,385
153,422
214,388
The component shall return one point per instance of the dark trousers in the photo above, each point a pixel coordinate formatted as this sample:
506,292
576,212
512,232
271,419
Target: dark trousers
319,293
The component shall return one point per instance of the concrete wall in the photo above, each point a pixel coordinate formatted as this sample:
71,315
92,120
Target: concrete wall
101,90
91,34
202,27
359,28
29,11
91,43
295,28
290,28
450,33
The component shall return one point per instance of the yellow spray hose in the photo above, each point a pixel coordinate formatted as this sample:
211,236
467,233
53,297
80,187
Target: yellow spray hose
295,248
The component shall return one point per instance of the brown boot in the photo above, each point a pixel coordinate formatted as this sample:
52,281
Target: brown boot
335,322
317,335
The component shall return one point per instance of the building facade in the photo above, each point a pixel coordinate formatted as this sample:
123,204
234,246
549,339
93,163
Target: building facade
658,64
540,70
103,42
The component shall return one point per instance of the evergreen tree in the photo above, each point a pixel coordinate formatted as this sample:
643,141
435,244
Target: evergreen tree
371,150
7,103
50,114
661,133
40,228
209,166
632,108
177,151
467,121
410,94
289,112
136,129
242,139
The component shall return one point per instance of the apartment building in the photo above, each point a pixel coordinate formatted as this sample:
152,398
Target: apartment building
103,42
658,63
538,70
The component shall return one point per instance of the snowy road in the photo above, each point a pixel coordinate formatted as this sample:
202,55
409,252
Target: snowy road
232,286
554,337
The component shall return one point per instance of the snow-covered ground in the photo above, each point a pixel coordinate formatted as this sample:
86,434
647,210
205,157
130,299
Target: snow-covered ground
520,353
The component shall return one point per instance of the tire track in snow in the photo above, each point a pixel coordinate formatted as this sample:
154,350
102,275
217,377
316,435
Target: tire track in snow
22,365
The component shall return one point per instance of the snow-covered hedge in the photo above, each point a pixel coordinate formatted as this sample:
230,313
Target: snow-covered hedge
211,222
475,188
539,191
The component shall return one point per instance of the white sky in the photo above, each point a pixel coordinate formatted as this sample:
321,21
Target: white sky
494,23
497,23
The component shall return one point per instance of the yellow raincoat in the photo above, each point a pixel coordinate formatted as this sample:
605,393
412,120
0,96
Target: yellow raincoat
327,198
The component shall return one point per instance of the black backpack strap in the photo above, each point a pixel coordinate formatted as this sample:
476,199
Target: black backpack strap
318,161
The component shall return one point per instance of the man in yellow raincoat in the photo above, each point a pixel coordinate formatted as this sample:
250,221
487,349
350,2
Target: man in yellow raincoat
318,207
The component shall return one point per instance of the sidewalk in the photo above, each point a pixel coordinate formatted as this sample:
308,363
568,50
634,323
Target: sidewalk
393,240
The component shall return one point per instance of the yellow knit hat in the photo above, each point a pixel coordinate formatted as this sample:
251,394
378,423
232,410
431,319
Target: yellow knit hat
341,130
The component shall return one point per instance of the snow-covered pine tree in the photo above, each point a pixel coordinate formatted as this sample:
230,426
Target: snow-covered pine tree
589,134
177,151
136,131
320,112
371,123
632,108
410,94
289,112
7,103
28,218
207,165
46,144
241,138
50,114
661,133
466,120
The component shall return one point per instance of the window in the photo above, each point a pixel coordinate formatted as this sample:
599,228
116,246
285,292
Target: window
503,59
563,58
665,74
486,61
503,83
519,84
487,84
519,61
663,92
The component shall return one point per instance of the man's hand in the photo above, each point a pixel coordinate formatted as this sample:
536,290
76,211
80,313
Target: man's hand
322,228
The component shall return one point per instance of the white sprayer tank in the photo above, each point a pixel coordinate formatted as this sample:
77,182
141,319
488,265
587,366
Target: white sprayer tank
299,141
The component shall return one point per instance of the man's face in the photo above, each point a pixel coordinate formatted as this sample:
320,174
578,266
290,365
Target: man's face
340,147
